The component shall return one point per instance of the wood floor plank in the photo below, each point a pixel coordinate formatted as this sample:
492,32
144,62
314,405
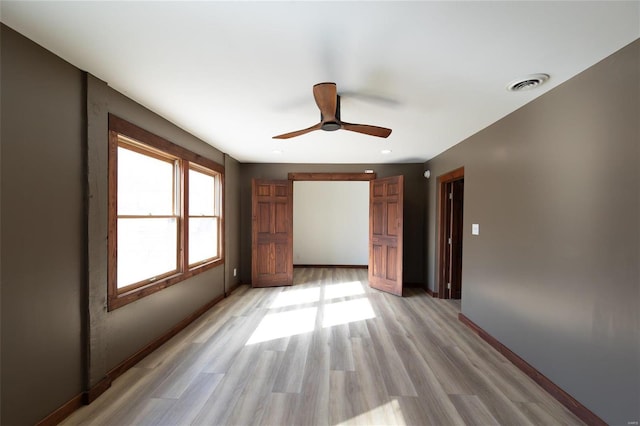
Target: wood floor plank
291,370
433,401
181,377
350,405
359,330
394,374
328,350
313,404
340,353
503,409
340,408
187,407
109,402
216,409
280,409
368,373
224,346
418,411
250,407
473,411
151,411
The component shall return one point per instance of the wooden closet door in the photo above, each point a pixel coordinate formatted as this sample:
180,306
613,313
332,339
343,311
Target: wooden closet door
386,198
272,233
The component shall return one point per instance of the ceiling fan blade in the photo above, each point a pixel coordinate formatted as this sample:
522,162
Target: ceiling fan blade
326,95
381,132
299,132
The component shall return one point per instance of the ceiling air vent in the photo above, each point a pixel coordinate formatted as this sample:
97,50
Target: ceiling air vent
527,83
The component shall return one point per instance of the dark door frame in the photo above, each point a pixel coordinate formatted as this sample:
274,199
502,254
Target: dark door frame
332,176
442,257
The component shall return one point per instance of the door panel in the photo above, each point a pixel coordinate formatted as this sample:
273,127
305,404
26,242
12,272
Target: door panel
281,218
385,234
377,217
392,260
392,218
262,258
264,217
272,233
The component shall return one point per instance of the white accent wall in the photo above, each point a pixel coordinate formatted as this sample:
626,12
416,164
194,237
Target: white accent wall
330,223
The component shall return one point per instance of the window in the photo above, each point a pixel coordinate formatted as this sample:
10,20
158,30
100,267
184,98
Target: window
204,215
165,213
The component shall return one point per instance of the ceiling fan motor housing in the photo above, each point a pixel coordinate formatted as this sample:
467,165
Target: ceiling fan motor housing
331,126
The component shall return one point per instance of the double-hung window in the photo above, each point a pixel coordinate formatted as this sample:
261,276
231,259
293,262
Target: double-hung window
165,213
204,215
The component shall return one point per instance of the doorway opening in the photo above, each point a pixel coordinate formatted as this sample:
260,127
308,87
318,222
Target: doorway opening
450,231
272,229
330,224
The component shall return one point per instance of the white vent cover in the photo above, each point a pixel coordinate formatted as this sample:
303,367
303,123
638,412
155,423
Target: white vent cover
527,83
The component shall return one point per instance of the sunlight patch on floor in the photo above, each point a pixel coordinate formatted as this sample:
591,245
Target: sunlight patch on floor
346,312
385,414
296,297
334,291
284,324
295,321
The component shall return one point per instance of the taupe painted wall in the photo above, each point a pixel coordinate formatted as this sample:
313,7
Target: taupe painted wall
57,338
232,222
554,273
42,230
116,335
413,206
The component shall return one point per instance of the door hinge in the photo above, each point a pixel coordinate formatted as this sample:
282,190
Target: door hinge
451,195
449,241
448,286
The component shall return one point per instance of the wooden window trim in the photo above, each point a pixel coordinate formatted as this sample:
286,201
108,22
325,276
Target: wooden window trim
157,147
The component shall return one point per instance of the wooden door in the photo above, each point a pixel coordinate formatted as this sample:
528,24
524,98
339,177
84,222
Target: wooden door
386,197
272,233
450,234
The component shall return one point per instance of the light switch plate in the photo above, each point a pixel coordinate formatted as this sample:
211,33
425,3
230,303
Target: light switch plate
475,229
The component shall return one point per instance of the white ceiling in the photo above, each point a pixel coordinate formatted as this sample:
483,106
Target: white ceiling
237,73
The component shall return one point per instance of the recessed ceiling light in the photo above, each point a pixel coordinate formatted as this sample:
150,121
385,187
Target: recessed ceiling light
385,151
277,152
528,82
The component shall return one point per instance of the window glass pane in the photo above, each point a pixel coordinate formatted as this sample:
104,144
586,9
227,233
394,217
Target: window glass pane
146,248
203,238
201,194
145,184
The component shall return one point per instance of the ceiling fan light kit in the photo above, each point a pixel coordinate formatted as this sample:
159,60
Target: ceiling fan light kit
328,101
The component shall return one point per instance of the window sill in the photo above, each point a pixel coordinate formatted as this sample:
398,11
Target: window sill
128,296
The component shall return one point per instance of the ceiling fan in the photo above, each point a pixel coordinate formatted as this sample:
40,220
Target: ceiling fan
328,101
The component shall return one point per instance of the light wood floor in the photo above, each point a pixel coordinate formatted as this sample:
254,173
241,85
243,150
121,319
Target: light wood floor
327,351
